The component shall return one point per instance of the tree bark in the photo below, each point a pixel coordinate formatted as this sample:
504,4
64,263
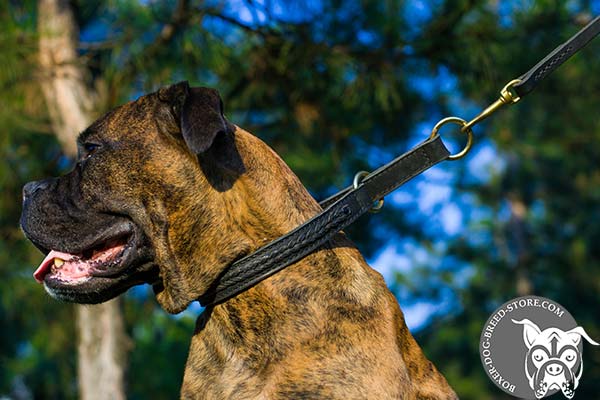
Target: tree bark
518,230
72,104
102,351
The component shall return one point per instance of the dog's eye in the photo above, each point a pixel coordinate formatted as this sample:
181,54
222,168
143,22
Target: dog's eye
538,355
569,355
90,148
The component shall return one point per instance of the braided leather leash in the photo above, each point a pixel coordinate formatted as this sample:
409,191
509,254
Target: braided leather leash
530,79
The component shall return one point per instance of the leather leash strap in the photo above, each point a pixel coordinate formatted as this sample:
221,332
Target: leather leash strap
343,208
340,211
559,55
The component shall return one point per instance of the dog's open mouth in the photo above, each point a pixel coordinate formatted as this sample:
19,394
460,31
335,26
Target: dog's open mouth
100,260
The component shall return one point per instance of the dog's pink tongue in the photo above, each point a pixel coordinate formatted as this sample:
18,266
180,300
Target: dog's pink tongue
46,265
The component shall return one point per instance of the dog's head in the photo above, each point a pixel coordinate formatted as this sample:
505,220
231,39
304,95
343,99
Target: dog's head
139,202
553,360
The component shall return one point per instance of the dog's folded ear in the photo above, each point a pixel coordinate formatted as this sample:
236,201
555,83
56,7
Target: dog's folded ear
530,331
199,112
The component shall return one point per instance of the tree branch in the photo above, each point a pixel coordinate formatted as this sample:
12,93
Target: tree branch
235,22
179,20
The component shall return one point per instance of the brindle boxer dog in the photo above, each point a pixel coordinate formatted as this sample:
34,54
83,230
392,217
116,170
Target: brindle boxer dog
167,192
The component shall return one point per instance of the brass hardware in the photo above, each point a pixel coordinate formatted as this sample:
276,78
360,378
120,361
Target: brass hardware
357,180
506,97
468,131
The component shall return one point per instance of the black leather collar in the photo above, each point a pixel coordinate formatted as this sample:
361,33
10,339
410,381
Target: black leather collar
339,211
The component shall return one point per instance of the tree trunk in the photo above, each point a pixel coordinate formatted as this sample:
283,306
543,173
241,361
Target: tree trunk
72,105
102,351
518,230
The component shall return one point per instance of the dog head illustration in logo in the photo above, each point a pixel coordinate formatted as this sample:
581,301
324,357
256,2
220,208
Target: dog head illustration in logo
553,360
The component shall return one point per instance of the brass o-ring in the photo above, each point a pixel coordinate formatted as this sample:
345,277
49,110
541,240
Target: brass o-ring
458,121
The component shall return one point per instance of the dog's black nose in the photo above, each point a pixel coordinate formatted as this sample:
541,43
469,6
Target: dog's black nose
554,369
30,188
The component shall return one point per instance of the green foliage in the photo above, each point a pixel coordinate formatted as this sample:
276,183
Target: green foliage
328,86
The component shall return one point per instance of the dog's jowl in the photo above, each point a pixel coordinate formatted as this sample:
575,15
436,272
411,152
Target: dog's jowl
167,192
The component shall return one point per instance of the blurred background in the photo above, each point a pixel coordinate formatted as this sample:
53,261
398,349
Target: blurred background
335,87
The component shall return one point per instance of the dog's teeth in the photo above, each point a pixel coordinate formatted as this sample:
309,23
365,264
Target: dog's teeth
58,262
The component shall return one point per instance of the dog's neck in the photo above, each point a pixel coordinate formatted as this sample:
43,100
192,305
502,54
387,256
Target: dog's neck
244,197
257,335
315,311
263,203
273,201
306,326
